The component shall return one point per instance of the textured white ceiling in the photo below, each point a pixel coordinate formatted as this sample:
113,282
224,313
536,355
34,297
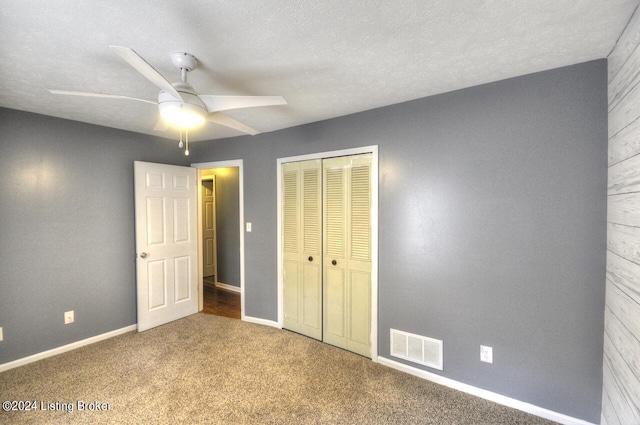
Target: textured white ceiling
326,57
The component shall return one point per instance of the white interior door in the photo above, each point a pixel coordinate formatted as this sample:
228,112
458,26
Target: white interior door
209,253
166,243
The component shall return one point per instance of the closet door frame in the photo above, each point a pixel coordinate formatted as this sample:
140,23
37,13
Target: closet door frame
373,150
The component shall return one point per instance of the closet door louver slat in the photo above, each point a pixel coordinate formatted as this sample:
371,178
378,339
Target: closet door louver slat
290,222
334,213
311,211
360,213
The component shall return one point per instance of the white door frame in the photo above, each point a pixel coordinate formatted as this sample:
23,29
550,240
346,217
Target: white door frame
221,164
374,232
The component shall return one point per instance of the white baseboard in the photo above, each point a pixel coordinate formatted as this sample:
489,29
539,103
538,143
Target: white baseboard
487,395
263,322
59,350
228,287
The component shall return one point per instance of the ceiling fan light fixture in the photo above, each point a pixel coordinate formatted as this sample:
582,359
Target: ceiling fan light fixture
178,103
182,115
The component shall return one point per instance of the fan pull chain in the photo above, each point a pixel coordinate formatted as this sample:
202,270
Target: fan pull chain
180,145
186,151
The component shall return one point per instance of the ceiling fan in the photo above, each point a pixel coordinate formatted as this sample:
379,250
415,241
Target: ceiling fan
178,103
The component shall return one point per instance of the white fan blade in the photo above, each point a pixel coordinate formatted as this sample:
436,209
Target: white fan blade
227,121
91,94
223,103
145,69
161,125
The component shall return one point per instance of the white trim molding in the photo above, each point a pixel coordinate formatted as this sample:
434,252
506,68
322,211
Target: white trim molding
226,286
263,322
487,395
63,349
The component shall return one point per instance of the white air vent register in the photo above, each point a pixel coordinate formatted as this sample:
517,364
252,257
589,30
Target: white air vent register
415,348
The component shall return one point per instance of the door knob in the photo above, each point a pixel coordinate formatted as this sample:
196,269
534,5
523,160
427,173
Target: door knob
143,255
334,262
310,258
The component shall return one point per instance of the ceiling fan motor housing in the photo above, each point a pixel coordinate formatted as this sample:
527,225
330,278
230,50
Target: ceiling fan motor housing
184,114
182,60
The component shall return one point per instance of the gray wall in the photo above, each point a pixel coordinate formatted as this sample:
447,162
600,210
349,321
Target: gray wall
492,227
67,229
621,386
228,224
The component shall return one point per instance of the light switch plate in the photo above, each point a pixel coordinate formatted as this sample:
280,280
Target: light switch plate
1,335
248,227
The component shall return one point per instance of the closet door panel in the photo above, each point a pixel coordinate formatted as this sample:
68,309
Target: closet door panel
301,226
335,235
311,247
291,307
359,255
334,306
359,312
312,299
291,245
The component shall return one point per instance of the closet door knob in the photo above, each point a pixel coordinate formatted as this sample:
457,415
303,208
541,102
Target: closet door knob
143,255
334,262
310,258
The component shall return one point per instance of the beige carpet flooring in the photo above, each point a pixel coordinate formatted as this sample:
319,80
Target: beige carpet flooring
208,369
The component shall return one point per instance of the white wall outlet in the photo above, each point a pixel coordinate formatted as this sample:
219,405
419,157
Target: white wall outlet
1,336
486,354
248,227
68,317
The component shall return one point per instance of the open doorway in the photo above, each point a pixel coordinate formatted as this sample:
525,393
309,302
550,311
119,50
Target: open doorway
221,265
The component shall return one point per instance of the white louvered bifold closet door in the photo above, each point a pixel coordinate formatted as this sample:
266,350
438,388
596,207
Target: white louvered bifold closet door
326,215
347,253
302,238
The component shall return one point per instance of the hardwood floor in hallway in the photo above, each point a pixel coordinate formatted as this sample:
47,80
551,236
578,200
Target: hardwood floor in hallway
220,302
